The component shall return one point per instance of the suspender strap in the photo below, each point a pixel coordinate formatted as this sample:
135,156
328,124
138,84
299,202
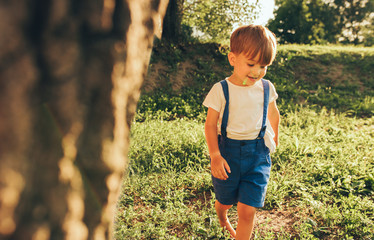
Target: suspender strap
266,104
225,116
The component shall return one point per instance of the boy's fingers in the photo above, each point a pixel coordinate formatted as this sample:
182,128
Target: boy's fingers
217,174
224,174
227,167
220,175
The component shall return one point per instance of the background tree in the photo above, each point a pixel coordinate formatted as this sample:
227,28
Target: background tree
291,23
70,74
172,24
213,19
321,21
353,16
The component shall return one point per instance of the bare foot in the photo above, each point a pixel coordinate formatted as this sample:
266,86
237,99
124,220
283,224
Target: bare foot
222,217
226,225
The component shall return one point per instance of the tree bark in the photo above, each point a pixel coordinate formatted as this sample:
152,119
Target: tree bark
70,78
171,32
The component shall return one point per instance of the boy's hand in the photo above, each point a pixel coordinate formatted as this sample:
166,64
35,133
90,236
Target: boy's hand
219,167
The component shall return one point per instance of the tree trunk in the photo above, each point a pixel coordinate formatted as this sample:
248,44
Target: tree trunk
70,78
171,31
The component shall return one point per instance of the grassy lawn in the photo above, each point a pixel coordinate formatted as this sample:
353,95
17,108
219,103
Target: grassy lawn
322,180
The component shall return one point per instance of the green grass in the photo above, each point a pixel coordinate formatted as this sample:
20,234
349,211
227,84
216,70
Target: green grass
162,146
323,169
322,180
325,166
173,205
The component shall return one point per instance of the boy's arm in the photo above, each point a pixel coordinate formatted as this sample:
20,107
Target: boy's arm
218,163
274,118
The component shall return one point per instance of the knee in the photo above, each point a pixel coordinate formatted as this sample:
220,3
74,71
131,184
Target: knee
246,213
222,206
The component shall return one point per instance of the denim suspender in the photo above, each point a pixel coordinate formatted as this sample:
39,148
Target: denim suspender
266,104
225,116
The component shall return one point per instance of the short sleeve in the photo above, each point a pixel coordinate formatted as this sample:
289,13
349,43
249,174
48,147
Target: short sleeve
273,93
215,98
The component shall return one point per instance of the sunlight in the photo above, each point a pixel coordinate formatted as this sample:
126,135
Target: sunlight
266,11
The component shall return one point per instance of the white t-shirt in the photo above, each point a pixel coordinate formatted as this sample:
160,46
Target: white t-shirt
245,110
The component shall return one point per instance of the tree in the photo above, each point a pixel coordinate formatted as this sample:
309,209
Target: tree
353,17
70,74
172,27
216,19
290,23
321,21
213,18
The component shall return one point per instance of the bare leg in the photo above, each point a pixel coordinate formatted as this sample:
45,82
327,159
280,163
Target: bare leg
246,221
222,217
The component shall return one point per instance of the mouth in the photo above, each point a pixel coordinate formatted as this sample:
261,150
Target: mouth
252,78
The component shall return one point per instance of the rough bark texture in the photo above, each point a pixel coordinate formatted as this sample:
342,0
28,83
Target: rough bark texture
172,22
70,74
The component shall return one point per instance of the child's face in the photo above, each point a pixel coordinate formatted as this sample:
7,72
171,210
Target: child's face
247,71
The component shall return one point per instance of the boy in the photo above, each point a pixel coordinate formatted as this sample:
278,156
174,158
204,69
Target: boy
244,109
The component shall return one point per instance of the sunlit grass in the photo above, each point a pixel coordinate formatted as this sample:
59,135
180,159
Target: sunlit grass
324,168
331,48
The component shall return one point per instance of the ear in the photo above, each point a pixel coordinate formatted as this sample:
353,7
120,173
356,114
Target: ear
232,58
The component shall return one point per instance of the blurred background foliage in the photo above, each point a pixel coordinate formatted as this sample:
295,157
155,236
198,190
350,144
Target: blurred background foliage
295,21
324,21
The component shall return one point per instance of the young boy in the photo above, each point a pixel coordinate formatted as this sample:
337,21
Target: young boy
241,128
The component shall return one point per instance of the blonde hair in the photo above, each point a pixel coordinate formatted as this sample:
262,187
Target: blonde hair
253,40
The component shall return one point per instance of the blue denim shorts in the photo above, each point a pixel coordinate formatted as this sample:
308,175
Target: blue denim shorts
250,165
